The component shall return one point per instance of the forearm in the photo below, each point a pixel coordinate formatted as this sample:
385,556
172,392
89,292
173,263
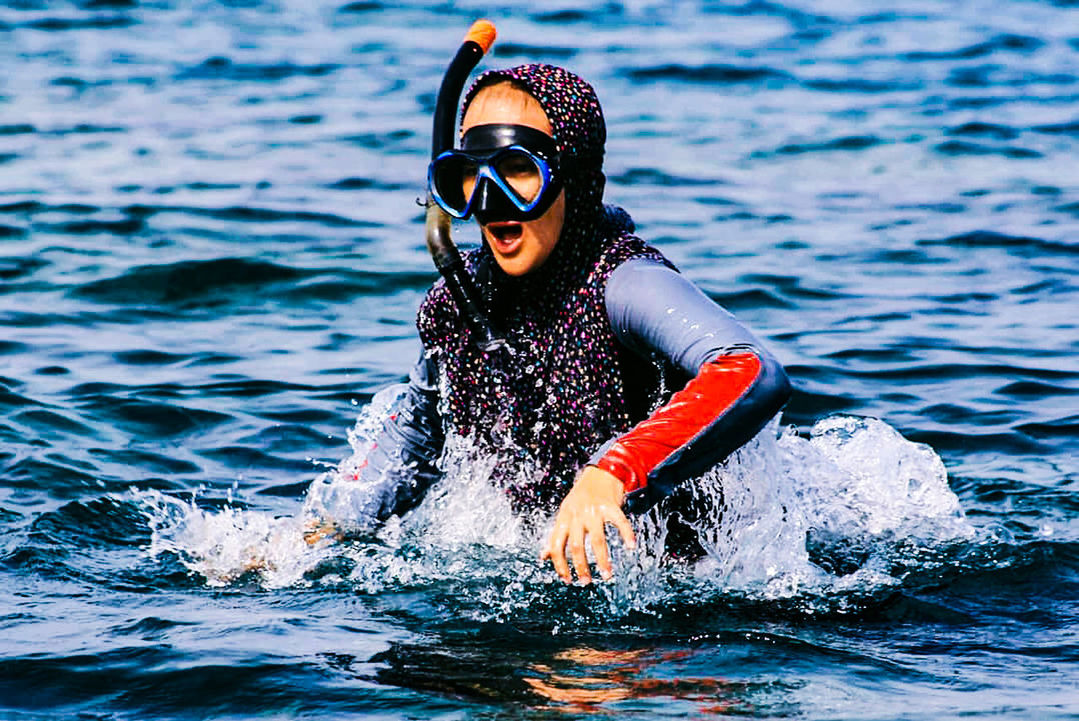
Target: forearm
399,465
725,405
402,461
736,386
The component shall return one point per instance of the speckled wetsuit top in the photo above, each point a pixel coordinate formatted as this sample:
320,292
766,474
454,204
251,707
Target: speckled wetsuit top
565,386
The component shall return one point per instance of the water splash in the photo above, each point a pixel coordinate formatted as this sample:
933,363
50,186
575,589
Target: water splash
227,545
344,495
785,517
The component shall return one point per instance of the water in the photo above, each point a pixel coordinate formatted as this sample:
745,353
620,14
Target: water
211,258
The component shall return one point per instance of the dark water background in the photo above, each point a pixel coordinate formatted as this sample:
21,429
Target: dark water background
210,258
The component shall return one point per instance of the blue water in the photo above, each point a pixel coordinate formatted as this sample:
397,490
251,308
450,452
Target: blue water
210,260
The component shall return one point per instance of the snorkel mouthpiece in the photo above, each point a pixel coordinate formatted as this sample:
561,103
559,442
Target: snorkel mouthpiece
438,232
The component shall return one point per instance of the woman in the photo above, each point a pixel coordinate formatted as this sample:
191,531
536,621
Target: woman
600,328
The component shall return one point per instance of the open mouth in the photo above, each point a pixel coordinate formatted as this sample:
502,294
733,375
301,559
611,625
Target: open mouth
504,234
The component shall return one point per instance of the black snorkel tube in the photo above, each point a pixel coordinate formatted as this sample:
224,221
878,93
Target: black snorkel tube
447,258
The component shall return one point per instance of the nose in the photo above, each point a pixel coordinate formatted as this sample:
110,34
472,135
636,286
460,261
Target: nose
491,205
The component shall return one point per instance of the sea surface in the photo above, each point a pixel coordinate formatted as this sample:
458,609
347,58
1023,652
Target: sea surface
211,255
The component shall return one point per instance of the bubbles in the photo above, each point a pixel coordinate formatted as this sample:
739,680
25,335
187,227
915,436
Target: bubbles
849,511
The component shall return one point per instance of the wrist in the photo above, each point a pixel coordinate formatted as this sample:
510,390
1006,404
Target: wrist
602,482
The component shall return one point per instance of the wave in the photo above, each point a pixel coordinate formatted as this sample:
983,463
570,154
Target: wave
1007,42
755,298
1023,246
19,263
126,226
223,68
145,418
513,50
380,141
797,17
1058,128
851,142
862,85
653,176
725,74
11,347
713,74
984,130
354,183
185,282
605,14
137,213
63,24
962,147
261,215
993,76
213,283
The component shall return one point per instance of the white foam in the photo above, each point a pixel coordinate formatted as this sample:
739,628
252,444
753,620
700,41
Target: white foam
225,545
860,477
853,481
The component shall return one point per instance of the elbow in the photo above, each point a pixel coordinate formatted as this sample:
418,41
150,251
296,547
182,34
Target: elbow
774,382
769,389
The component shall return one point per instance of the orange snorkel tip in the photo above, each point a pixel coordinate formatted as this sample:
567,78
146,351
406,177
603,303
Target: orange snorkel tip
482,33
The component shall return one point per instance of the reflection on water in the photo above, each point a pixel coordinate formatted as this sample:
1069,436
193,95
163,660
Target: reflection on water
578,680
583,679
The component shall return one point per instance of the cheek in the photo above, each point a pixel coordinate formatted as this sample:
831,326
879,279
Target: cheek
553,220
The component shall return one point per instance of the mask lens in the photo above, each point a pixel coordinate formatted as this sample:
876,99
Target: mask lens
522,173
454,179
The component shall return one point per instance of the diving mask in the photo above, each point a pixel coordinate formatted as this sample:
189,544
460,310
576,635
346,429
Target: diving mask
501,173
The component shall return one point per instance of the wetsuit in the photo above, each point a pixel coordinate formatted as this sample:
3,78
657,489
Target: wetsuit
735,387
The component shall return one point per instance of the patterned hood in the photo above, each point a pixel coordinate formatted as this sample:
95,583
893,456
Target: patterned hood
560,391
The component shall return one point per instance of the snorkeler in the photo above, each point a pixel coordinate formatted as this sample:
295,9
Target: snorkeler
620,379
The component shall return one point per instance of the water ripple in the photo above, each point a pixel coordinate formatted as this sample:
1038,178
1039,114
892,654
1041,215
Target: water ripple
222,68
1005,43
212,251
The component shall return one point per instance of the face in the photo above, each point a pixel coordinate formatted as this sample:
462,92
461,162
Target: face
519,248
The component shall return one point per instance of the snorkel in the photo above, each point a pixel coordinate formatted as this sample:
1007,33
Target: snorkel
447,258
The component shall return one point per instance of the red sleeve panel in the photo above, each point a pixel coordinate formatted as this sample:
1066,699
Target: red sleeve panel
725,405
718,387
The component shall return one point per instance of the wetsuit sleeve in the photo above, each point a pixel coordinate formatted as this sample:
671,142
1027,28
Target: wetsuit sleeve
736,386
402,462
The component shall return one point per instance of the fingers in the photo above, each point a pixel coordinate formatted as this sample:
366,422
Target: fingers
598,539
577,552
572,534
556,552
622,524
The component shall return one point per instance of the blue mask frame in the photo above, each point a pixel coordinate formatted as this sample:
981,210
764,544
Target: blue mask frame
493,198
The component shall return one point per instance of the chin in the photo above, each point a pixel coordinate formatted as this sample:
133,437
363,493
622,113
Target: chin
515,267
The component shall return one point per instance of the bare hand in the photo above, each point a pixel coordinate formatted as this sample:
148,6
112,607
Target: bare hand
594,501
316,530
